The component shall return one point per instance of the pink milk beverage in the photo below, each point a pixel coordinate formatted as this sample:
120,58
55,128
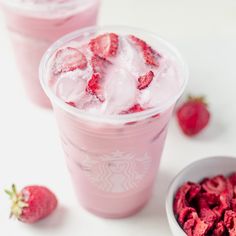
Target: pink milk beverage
34,24
113,90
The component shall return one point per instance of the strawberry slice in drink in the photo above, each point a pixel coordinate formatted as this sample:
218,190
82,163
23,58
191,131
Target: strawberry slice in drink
94,86
68,59
145,80
150,56
135,108
105,45
99,64
71,104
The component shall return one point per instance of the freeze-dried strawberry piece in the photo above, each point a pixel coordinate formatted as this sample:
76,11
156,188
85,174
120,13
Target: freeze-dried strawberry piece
185,193
208,216
156,116
193,192
93,84
211,198
105,45
233,204
99,64
230,222
188,226
68,59
135,108
201,228
232,179
219,229
186,214
202,203
71,104
145,80
224,204
215,185
180,201
94,88
151,56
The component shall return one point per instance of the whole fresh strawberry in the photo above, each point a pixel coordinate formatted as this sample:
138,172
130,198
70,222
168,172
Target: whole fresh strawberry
32,203
193,115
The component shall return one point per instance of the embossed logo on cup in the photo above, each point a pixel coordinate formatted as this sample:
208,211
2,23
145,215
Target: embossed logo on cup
116,172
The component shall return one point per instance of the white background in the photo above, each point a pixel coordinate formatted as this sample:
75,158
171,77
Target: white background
30,152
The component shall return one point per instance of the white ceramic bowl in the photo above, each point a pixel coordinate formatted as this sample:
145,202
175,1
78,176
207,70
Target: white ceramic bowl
195,172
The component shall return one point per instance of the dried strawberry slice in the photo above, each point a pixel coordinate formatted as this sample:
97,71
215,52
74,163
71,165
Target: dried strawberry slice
208,216
99,64
105,45
94,88
145,80
224,204
71,104
215,185
201,228
186,193
219,229
68,59
232,179
233,204
211,199
230,222
151,57
135,108
193,192
186,214
189,226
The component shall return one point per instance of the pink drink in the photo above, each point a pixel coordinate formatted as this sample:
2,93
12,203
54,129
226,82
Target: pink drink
112,120
33,25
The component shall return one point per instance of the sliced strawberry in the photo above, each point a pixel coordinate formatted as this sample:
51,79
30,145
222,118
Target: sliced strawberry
99,64
135,108
94,88
69,59
145,80
230,222
71,104
105,45
219,229
93,84
216,185
232,179
201,228
151,56
186,214
156,116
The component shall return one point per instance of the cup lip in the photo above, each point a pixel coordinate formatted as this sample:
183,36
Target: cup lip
109,118
169,197
30,8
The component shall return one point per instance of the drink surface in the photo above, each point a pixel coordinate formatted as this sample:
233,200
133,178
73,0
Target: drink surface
113,74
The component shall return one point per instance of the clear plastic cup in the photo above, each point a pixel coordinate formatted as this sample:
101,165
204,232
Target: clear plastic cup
113,159
33,28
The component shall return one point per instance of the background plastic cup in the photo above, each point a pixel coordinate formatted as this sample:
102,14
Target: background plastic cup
33,28
113,159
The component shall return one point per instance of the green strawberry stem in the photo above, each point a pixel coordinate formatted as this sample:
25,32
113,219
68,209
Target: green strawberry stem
17,202
201,99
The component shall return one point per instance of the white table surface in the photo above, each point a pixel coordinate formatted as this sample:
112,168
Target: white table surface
30,152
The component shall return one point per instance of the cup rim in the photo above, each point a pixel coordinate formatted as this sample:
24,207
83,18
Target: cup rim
110,118
169,197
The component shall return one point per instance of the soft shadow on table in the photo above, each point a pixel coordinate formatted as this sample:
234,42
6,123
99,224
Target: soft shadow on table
55,220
